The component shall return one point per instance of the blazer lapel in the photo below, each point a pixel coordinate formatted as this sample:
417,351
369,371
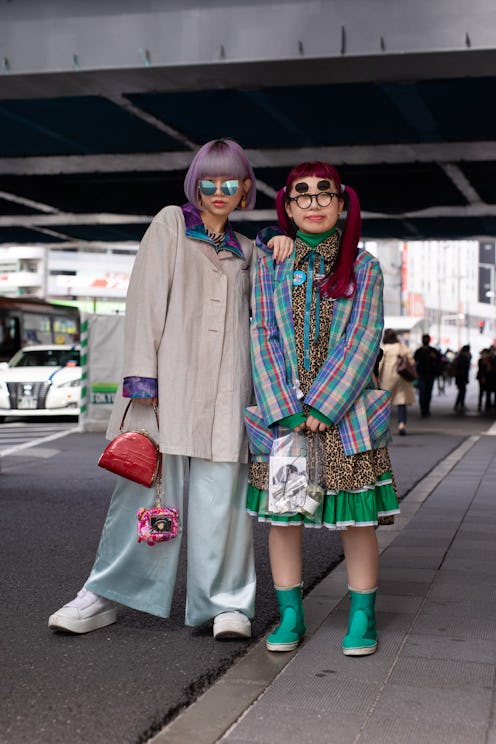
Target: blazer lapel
284,312
340,316
209,252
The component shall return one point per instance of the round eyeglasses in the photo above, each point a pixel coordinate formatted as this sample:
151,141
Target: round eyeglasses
323,199
208,188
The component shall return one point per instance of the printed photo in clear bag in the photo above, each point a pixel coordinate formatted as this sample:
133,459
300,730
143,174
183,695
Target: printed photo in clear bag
287,474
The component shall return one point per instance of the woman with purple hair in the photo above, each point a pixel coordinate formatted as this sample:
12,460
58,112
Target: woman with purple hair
316,333
186,354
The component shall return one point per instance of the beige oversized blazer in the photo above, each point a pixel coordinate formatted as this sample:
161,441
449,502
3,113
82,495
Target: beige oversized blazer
187,325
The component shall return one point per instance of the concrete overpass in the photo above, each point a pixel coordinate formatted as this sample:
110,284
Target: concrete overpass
102,105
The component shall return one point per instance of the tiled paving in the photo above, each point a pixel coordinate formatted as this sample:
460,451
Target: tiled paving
433,676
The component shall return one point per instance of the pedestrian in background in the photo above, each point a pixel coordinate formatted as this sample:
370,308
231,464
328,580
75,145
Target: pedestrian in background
428,364
462,370
316,332
402,391
187,351
492,376
484,378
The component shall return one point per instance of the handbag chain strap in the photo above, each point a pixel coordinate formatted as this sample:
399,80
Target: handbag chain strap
158,483
155,411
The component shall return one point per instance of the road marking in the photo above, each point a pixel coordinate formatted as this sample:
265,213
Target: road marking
35,442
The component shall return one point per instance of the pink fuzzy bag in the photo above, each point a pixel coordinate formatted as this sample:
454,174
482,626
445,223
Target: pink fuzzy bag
157,524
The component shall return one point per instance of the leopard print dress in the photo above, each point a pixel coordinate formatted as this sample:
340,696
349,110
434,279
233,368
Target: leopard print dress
345,474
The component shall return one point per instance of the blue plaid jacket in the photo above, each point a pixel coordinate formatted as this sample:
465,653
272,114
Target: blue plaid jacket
344,389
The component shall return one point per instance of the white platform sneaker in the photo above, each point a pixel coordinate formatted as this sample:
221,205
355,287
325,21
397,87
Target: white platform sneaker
232,625
86,612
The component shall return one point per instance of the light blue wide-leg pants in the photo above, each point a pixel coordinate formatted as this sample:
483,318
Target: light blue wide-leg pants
220,570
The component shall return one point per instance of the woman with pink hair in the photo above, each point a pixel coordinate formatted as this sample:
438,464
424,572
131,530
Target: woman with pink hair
316,332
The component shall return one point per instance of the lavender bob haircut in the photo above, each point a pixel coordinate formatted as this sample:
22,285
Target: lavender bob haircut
341,283
221,157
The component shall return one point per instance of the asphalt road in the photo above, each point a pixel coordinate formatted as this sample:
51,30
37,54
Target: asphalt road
123,683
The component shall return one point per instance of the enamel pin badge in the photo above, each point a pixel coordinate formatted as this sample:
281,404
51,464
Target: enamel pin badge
299,277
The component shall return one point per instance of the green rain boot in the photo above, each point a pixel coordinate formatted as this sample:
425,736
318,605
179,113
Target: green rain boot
361,638
291,629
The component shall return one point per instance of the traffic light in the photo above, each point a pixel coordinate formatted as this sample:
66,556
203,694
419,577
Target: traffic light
482,324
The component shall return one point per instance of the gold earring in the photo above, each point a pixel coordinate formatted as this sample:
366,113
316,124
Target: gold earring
242,203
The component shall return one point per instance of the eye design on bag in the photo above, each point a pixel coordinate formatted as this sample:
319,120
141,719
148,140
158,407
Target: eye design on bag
228,188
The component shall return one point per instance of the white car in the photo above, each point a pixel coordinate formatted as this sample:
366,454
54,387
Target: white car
41,381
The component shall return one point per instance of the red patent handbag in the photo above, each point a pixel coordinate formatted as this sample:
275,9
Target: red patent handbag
132,454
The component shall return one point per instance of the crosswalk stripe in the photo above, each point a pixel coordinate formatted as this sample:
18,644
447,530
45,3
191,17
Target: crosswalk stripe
19,435
41,440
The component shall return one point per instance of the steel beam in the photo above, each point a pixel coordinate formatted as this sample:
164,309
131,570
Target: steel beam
439,152
65,47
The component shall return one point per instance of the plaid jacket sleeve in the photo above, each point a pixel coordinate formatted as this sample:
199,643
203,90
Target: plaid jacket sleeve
274,389
348,368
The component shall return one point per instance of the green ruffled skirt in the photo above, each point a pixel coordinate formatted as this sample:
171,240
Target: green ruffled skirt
361,507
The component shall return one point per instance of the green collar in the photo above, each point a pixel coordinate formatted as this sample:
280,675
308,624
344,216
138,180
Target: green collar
312,239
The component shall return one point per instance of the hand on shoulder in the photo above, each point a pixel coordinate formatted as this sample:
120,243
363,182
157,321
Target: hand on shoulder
282,247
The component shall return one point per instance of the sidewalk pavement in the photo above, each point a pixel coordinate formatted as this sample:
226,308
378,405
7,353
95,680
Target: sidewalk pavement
432,678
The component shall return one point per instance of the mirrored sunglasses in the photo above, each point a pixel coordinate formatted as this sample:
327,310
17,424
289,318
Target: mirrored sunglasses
228,188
